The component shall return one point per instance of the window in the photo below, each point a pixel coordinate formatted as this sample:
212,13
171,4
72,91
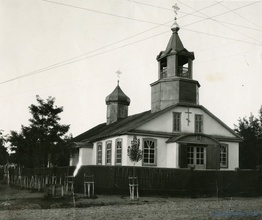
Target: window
99,153
223,155
149,151
198,123
176,121
118,151
163,68
190,155
196,156
108,152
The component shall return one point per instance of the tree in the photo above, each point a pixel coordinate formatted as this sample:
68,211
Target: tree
250,153
45,140
3,150
134,153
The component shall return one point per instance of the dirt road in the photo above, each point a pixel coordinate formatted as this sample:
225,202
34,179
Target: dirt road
23,204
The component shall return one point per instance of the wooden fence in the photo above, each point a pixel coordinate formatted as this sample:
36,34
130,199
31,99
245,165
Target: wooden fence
152,181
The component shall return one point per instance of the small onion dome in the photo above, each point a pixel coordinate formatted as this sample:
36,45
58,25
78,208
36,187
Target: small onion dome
175,27
118,96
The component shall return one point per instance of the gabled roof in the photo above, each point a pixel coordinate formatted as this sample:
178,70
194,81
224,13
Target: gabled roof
132,122
118,128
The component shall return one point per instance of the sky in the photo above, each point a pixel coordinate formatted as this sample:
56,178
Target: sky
72,50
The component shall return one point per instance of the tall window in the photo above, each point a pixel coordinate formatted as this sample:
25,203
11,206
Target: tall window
149,151
99,153
223,155
198,123
196,156
118,151
108,152
176,121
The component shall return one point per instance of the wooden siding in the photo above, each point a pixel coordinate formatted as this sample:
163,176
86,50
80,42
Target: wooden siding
161,181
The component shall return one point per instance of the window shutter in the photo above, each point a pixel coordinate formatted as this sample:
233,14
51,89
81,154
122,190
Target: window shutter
182,156
213,157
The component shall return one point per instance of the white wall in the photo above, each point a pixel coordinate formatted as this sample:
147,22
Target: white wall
124,150
164,123
126,141
172,155
86,155
233,156
167,154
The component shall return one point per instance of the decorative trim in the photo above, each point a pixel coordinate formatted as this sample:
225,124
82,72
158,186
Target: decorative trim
116,141
97,145
106,152
227,155
155,151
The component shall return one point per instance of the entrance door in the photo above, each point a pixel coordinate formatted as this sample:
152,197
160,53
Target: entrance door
196,156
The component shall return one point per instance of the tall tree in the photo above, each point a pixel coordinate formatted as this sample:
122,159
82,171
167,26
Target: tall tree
250,129
45,140
3,150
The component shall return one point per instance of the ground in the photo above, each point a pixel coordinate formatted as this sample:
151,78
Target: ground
16,203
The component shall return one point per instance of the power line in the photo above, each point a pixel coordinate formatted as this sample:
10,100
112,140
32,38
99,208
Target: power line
219,22
72,60
199,16
168,9
214,35
225,12
67,63
240,16
64,64
100,12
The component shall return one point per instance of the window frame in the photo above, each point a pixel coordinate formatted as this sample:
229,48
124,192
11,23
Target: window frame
226,156
197,126
99,153
175,121
118,140
193,155
155,152
108,152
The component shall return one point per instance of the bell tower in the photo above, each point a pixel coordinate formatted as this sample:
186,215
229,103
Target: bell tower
175,82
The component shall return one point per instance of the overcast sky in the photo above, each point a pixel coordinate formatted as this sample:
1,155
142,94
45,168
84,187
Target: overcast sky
72,49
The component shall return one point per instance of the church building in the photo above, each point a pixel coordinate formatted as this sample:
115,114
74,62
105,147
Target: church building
177,132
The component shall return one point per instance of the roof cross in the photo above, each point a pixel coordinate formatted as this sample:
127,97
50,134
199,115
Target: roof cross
176,8
188,119
118,73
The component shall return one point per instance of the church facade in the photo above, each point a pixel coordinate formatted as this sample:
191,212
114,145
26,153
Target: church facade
177,132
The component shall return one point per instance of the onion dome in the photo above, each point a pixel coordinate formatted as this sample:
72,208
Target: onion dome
118,96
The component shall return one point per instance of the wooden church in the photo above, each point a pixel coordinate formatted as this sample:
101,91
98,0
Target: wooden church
177,132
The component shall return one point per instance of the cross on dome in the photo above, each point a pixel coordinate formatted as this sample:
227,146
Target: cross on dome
176,8
175,26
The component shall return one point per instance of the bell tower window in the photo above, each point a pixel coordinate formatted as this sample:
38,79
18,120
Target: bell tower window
183,67
163,68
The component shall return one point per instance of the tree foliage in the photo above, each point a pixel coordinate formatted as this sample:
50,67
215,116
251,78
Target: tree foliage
45,140
3,150
134,153
250,129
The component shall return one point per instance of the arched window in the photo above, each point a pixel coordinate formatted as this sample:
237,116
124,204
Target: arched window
99,151
118,151
108,152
